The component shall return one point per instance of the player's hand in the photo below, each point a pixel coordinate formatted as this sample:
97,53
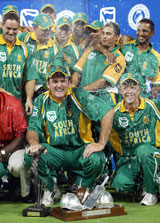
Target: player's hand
91,148
33,149
28,106
154,92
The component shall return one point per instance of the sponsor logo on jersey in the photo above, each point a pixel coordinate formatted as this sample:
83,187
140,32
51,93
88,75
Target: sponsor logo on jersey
123,121
51,116
137,13
108,14
3,56
91,55
129,56
146,119
46,54
118,68
31,46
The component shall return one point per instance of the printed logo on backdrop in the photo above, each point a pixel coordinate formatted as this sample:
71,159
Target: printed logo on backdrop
108,14
137,13
65,13
27,16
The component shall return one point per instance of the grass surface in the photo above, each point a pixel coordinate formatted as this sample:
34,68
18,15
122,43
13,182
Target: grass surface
12,213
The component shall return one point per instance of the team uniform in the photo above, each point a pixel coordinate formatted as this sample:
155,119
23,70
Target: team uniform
44,56
147,63
93,66
13,124
135,136
65,129
71,54
16,67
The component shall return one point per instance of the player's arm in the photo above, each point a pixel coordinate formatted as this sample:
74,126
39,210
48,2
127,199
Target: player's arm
75,79
106,126
98,84
29,87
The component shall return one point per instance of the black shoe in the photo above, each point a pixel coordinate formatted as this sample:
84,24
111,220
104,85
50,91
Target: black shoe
28,199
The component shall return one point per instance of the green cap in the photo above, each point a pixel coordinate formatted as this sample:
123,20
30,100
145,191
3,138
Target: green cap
64,21
96,24
128,76
10,8
80,17
48,6
55,70
43,21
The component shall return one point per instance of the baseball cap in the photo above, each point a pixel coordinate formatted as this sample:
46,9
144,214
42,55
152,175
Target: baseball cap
43,21
10,8
55,70
63,21
80,16
48,6
128,76
96,24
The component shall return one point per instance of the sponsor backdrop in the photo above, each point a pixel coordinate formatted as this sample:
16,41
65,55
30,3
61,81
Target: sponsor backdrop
125,13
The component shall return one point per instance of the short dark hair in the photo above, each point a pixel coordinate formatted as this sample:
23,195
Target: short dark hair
114,25
149,21
11,16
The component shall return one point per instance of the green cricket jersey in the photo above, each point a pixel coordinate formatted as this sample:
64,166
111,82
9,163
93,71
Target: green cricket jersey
71,54
130,130
93,65
16,66
66,125
44,56
147,63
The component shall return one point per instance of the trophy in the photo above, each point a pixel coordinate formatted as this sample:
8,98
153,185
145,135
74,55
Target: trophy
37,210
86,204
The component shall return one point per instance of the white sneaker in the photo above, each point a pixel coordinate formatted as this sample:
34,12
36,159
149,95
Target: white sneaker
149,199
47,199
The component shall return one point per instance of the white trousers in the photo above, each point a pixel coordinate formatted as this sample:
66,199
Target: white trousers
17,168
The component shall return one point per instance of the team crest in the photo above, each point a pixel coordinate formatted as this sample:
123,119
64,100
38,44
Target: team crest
51,116
146,119
3,56
19,58
123,121
46,54
144,65
129,56
91,55
118,68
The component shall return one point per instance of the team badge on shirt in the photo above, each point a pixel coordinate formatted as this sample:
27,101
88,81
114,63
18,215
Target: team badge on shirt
51,116
3,56
146,119
46,54
123,121
144,65
129,56
118,68
19,58
91,55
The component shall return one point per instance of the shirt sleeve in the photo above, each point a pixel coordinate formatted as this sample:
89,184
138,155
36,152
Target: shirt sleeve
78,67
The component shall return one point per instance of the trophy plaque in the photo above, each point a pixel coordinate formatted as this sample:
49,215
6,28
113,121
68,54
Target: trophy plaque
68,215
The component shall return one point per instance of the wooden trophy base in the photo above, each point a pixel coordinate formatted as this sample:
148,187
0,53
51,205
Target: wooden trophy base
68,215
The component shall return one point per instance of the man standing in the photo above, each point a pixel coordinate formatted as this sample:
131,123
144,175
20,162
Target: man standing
61,121
45,52
135,136
143,59
16,64
71,52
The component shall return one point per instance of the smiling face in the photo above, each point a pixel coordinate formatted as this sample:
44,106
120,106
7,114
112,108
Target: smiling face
144,33
58,85
108,37
130,91
10,30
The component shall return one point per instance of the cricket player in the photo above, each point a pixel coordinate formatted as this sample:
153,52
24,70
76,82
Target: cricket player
143,59
135,136
61,121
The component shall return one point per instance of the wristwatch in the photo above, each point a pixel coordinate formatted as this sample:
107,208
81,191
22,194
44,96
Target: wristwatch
3,152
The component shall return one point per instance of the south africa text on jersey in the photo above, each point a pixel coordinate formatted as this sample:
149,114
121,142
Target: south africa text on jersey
64,128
